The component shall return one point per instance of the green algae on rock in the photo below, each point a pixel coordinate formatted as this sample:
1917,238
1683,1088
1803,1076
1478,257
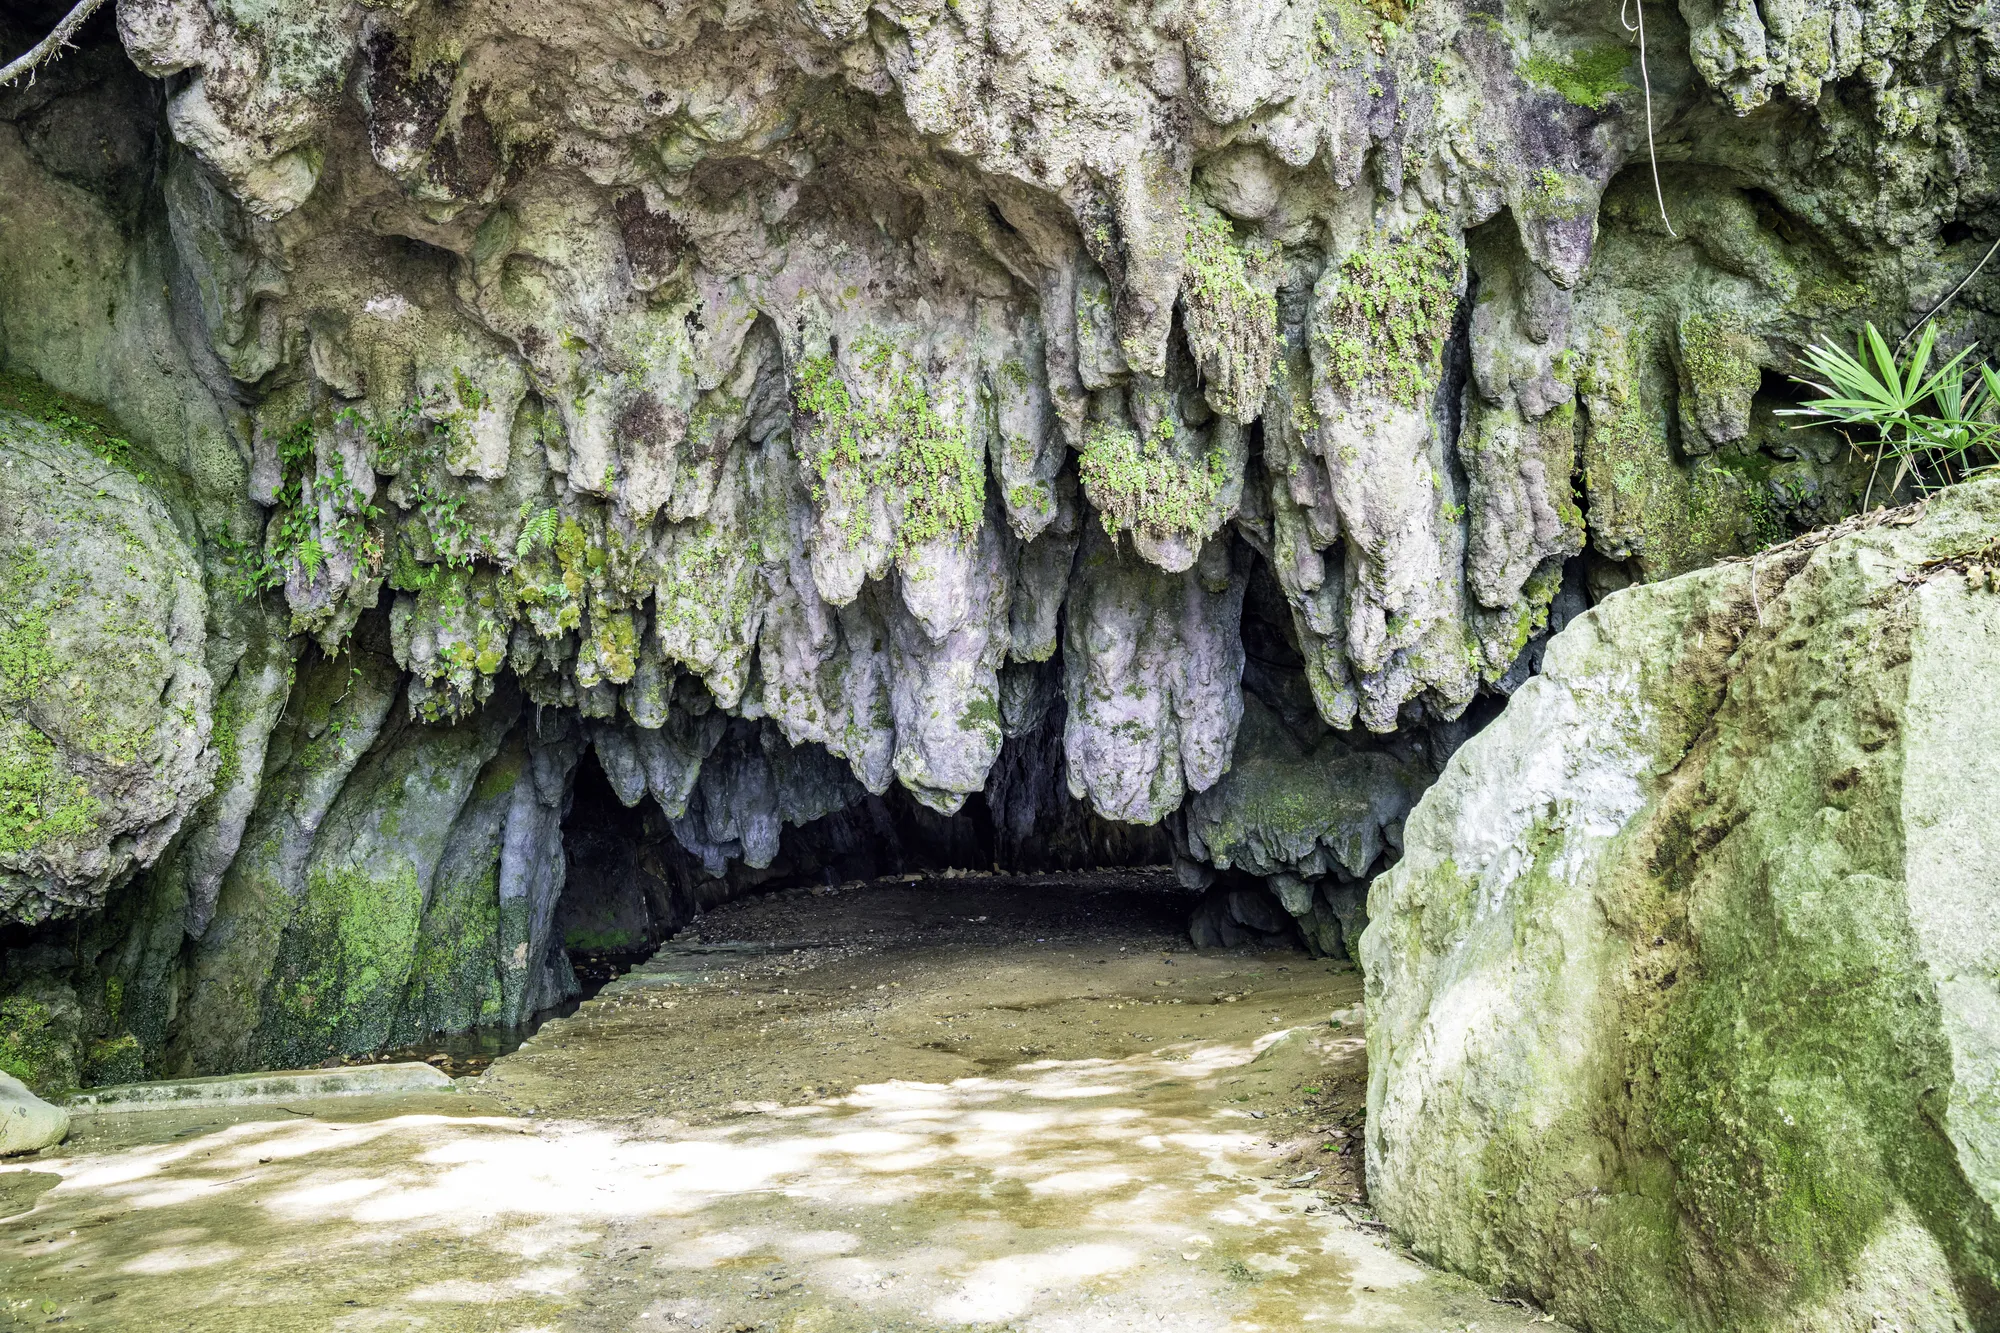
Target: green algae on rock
1680,999
98,768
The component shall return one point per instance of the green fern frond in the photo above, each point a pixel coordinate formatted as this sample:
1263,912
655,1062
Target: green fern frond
312,558
538,531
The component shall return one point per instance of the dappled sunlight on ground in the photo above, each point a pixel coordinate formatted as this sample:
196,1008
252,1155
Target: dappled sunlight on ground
1072,1127
1069,1194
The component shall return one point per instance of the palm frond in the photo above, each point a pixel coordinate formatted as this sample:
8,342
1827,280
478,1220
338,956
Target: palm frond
1927,417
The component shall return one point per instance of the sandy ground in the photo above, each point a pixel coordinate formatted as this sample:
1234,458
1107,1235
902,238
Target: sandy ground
1019,1104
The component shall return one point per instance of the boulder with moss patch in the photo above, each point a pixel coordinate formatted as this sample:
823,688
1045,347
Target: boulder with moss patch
105,699
1682,1000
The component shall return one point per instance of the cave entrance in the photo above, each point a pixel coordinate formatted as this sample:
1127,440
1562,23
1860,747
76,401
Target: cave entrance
624,889
634,877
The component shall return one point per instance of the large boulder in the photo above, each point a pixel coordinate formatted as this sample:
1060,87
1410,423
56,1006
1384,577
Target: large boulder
1684,1001
105,701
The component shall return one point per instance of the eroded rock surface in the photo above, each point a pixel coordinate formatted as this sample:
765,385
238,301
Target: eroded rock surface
27,1123
1682,999
106,704
878,438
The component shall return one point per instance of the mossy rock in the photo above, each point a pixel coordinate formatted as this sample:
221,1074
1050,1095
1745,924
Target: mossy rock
1682,996
105,698
1285,809
38,1038
362,949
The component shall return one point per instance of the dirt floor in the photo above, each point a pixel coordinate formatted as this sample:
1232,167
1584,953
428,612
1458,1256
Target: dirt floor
1022,1104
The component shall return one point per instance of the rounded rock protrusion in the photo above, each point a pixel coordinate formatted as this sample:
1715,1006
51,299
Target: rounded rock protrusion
27,1123
106,704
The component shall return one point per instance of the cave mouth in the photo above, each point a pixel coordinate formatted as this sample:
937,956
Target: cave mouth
630,884
621,896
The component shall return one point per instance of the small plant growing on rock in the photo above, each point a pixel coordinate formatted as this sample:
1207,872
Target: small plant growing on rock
1937,424
1385,324
538,529
1147,486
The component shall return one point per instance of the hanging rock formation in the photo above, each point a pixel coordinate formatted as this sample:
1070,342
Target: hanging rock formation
1682,999
864,434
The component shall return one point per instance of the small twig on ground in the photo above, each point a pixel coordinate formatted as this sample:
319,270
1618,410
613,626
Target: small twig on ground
45,50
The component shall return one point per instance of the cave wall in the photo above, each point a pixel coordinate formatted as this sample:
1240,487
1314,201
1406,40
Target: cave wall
1170,429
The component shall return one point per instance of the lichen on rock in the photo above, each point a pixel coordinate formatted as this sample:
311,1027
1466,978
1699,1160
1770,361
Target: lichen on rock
1678,997
98,767
807,417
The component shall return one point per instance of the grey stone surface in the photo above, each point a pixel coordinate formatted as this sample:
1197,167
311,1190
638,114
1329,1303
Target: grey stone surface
261,1089
106,704
1681,998
27,1123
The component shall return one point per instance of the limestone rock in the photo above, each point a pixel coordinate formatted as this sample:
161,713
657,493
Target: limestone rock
1153,669
27,1123
847,419
1307,813
1022,272
105,697
381,874
1682,999
1314,818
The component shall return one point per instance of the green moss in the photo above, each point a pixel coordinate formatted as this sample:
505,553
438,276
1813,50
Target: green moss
702,593
550,577
1588,78
406,572
26,661
470,622
1671,516
41,802
346,957
114,1059
610,938
982,714
33,1046
223,735
1769,1098
1147,487
1558,432
1342,30
1552,193
614,640
1225,307
455,974
88,425
899,443
1719,356
1389,312
498,778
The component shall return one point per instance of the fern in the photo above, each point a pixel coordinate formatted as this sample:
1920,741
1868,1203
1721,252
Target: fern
312,558
537,531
